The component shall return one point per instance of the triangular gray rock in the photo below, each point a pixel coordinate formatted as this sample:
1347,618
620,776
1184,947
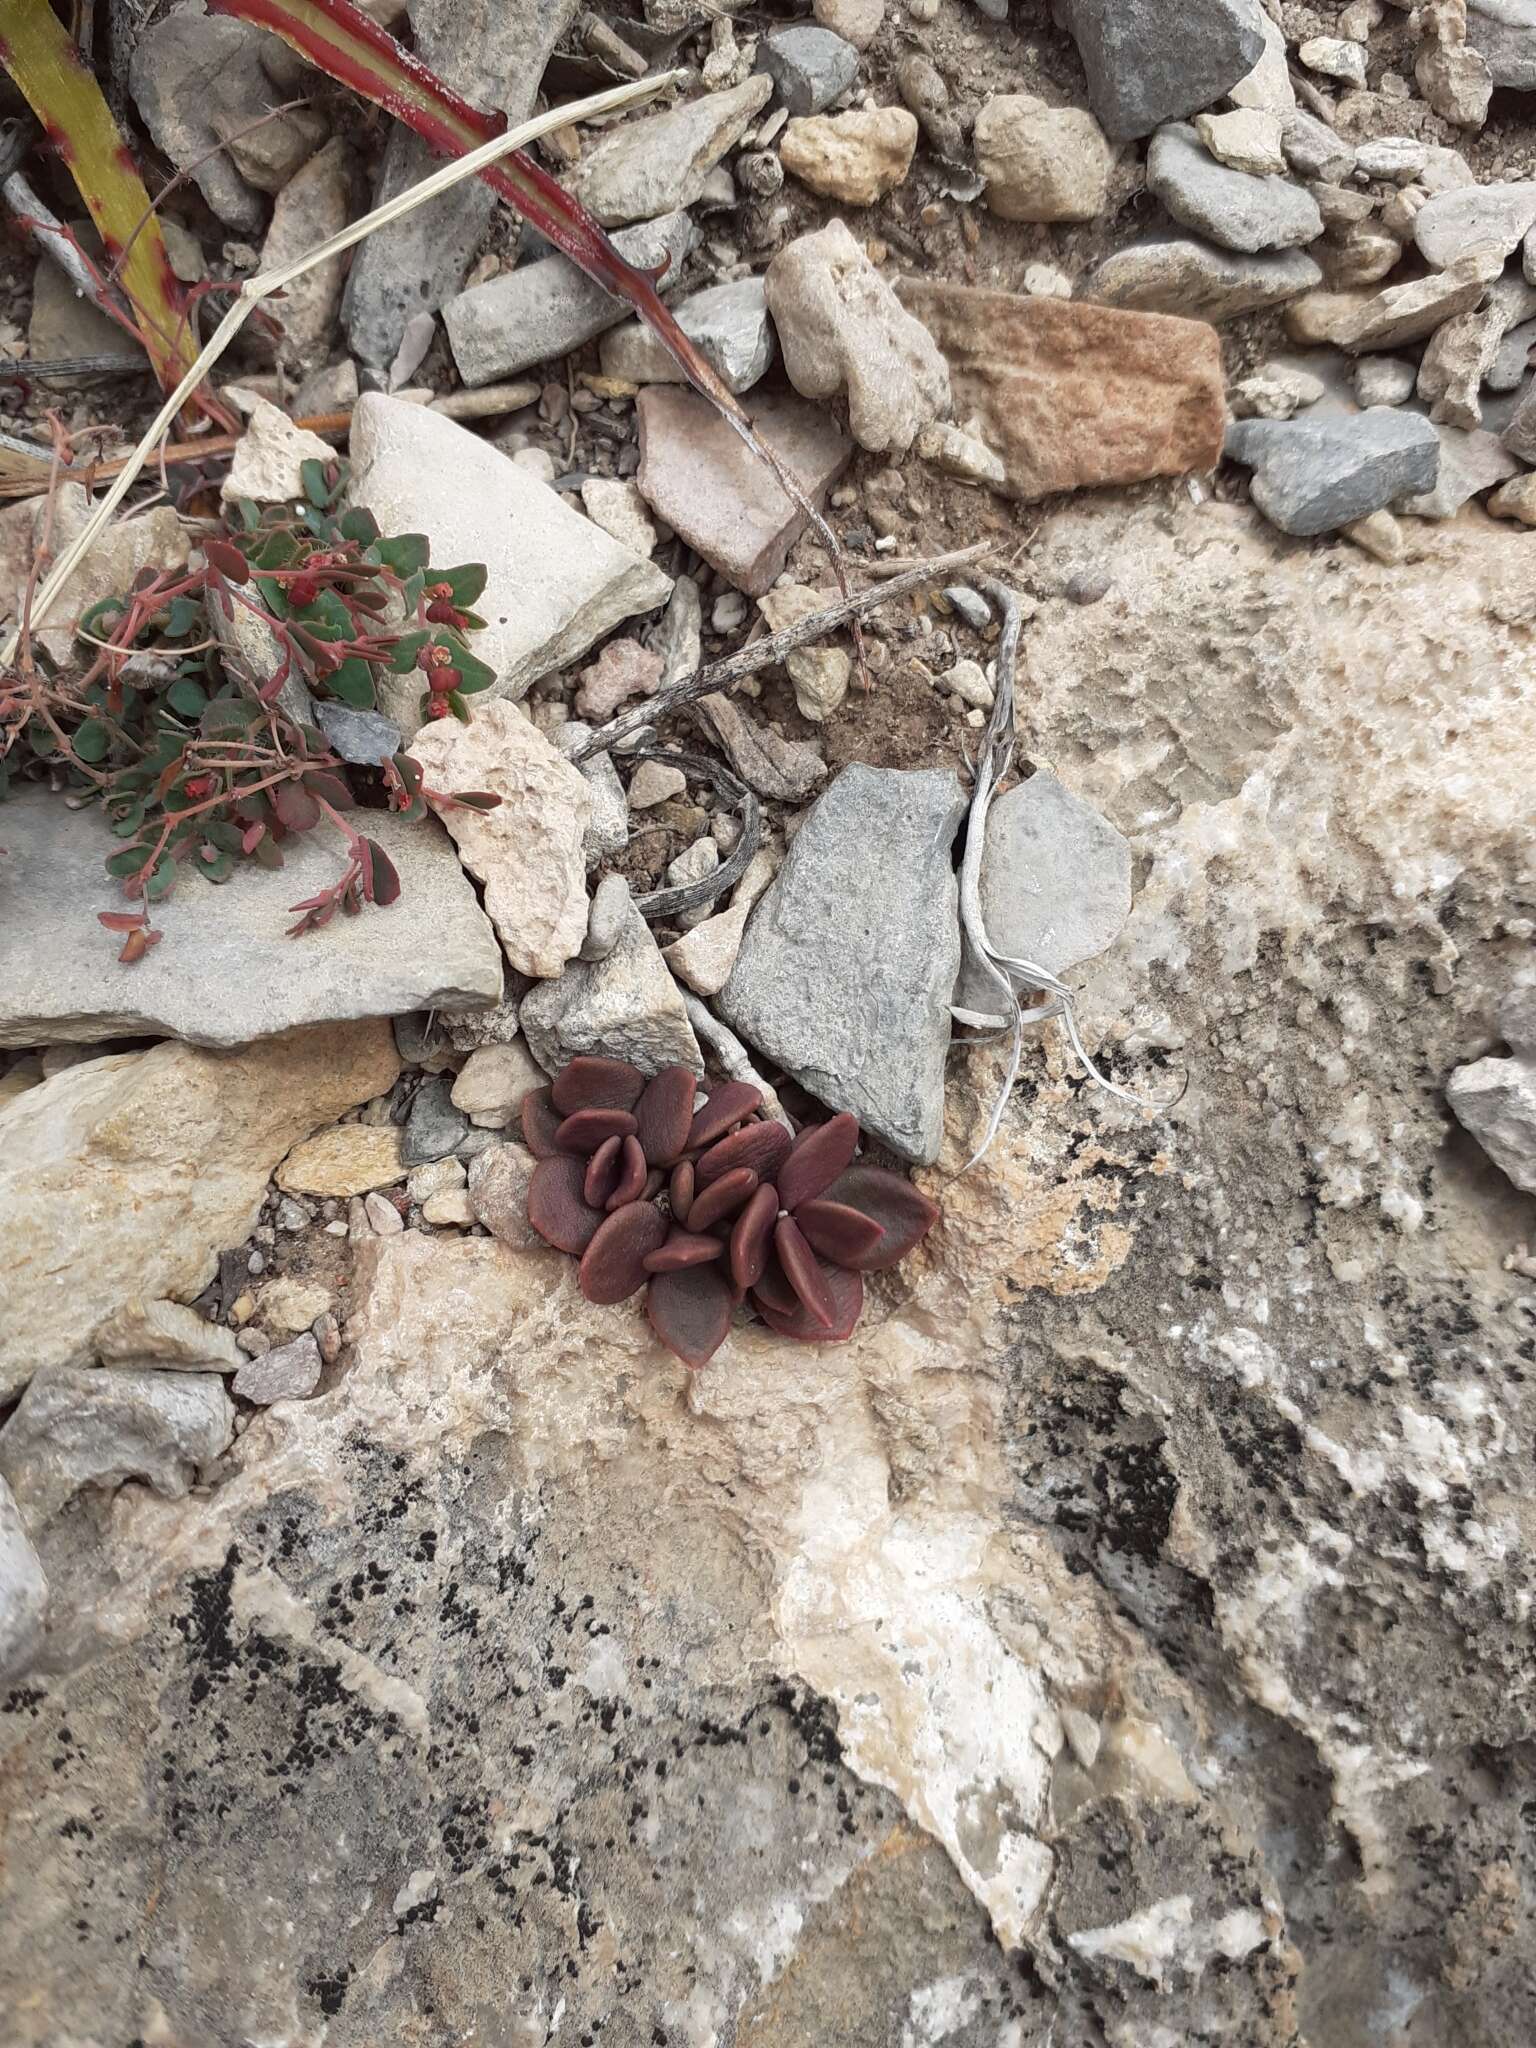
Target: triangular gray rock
1314,475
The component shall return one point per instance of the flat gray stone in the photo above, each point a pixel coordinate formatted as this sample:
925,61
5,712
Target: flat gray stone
1513,359
1315,150
729,324
494,54
848,962
364,737
23,1592
1519,434
626,1006
1451,225
1234,208
1181,274
1471,460
1150,61
545,309
1055,884
225,971
1503,32
810,67
1315,475
82,1426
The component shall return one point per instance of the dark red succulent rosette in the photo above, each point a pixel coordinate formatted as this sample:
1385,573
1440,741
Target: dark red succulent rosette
709,1203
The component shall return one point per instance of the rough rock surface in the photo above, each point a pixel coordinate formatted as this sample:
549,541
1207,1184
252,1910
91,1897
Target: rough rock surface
853,158
23,1592
1070,394
127,1175
1145,1587
849,960
555,582
528,852
165,1335
152,540
728,323
625,1006
76,1428
1041,163
228,978
843,329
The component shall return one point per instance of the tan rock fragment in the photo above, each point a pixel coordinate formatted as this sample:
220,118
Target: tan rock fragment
855,158
528,851
348,1159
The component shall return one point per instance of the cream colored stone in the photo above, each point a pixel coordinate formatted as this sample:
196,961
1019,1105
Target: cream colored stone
292,1305
704,957
165,1335
853,158
528,851
268,460
152,540
348,1159
125,1177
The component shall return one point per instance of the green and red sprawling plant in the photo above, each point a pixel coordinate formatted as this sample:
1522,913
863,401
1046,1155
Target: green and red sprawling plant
196,766
341,41
36,50
711,1204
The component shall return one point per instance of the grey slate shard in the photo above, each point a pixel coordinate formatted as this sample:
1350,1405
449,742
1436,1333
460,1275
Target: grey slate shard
1150,61
848,963
1312,476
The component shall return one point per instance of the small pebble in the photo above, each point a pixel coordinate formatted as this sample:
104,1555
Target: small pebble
969,605
968,681
730,611
384,1217
653,783
451,1207
605,919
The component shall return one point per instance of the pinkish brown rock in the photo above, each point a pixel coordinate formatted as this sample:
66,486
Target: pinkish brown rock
700,477
1070,394
623,670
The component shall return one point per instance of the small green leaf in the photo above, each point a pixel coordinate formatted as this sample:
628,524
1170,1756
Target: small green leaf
328,618
222,834
162,881
184,618
228,715
128,820
248,512
97,621
126,863
407,647
316,489
412,589
352,683
359,524
217,863
466,582
93,740
405,553
187,697
474,674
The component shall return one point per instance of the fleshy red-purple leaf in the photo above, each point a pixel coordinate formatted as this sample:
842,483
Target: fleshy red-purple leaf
585,1129
680,1189
690,1312
816,1158
752,1237
802,1269
665,1113
540,1121
722,1200
724,1110
557,1208
630,1185
589,1082
846,1291
904,1214
682,1249
602,1174
762,1146
613,1264
836,1232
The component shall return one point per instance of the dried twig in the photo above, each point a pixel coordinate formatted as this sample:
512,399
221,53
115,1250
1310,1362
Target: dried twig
255,289
689,895
23,367
56,240
765,653
730,1053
